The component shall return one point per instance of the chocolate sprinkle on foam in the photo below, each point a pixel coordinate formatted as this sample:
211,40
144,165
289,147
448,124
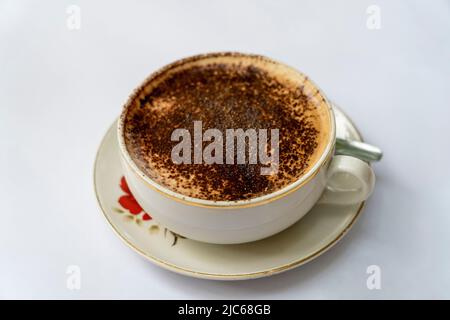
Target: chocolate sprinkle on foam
229,93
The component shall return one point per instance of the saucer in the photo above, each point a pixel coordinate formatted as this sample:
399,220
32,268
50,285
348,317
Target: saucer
311,236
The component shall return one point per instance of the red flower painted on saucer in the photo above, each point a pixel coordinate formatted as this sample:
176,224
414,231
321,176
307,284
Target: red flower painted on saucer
128,201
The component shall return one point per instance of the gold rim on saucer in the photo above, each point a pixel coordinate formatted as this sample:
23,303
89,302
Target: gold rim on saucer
223,276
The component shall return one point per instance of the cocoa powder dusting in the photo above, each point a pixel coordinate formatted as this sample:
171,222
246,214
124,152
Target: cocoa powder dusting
222,96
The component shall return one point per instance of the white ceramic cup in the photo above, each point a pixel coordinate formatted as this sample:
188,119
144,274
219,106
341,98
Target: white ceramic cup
333,179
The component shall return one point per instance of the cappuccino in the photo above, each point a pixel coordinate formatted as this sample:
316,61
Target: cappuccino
226,91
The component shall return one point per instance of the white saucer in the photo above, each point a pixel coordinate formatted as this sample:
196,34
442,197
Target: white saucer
317,232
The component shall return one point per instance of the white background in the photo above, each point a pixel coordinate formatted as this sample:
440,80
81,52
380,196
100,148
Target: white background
61,89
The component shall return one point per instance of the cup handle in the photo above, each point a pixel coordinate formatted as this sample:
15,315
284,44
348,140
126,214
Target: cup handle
349,181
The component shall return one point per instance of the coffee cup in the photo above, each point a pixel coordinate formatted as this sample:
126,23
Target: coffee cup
327,179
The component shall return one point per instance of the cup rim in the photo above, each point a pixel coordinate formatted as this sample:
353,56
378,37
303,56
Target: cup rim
260,200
